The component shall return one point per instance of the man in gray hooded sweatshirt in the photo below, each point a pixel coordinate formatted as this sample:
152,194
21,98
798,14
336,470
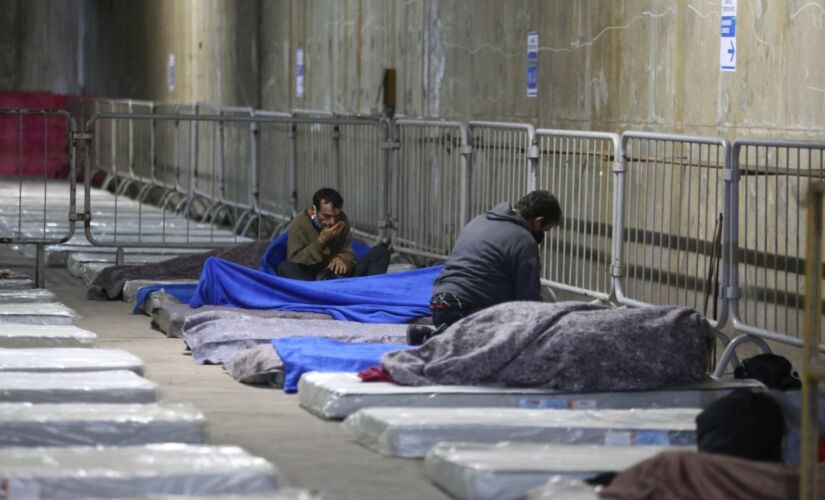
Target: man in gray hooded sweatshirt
494,260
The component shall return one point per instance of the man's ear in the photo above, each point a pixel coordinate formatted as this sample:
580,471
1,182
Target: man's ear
538,221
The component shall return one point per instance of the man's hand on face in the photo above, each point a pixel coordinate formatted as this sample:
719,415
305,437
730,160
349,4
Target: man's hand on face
337,265
331,232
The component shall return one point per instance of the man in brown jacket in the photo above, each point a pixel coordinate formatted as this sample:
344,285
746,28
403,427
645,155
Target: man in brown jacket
319,245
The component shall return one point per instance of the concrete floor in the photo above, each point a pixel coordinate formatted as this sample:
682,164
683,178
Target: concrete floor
310,453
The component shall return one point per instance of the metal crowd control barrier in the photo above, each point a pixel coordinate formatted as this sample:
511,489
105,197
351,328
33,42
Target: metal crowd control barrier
674,245
768,237
431,202
581,169
503,164
813,366
118,221
315,157
174,152
276,197
35,208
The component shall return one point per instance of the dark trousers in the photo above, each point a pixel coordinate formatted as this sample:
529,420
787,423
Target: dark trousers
446,309
375,261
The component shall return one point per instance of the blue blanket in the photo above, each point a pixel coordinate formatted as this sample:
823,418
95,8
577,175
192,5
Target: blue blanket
383,298
276,253
318,354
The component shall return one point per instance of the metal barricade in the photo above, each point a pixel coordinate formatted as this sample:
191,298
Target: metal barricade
431,190
768,238
315,155
173,148
37,161
674,223
276,195
813,365
363,166
238,168
580,168
117,220
503,165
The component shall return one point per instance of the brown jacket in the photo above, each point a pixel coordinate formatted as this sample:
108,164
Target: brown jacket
304,248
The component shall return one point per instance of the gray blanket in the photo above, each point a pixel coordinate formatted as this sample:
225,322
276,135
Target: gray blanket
109,283
257,365
568,346
170,317
217,336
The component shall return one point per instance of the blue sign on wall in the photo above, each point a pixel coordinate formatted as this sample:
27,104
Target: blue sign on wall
727,47
532,64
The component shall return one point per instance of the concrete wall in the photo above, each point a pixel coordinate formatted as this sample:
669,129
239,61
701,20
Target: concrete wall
603,64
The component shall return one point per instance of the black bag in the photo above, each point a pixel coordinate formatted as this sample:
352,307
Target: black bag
772,370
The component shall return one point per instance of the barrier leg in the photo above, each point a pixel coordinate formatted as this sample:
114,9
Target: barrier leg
729,354
40,267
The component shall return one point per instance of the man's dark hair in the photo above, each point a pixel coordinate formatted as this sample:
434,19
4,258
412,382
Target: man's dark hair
327,195
540,203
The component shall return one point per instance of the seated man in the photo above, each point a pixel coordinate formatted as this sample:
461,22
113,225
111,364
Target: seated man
494,260
319,244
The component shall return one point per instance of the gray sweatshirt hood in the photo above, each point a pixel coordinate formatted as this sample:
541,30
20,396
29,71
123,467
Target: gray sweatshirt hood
504,212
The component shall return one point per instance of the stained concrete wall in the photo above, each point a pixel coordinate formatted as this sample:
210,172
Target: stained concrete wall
603,64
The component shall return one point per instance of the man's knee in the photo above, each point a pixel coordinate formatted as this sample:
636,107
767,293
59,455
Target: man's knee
290,270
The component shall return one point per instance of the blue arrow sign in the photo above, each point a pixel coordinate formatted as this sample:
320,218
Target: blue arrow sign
731,51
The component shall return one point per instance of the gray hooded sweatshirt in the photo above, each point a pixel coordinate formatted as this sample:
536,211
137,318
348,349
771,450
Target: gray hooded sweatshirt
494,260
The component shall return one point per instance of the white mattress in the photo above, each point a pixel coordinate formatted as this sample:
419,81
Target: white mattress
118,472
16,283
509,471
32,295
29,336
81,424
118,386
60,359
563,488
338,395
37,314
411,432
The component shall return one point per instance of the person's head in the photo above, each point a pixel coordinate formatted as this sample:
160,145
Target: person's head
326,206
541,210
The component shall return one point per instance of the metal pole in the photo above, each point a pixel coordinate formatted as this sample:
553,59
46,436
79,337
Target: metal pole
40,267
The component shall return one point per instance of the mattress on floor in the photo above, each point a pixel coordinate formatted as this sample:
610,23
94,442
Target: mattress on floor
509,471
33,295
58,255
75,261
119,386
129,471
563,488
280,494
38,336
81,424
12,280
411,432
37,314
339,395
60,359
132,287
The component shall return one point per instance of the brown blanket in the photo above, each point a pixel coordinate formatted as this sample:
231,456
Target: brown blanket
686,475
109,283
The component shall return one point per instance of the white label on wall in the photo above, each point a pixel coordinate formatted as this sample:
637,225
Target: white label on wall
532,64
727,49
299,72
171,72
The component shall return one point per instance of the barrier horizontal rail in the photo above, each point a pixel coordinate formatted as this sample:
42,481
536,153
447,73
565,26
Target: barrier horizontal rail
580,169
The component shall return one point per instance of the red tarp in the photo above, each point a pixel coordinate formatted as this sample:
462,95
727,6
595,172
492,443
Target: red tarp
33,145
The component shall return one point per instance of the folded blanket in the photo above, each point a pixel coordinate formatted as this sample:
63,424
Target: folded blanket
305,354
687,474
216,337
386,298
568,346
109,283
257,365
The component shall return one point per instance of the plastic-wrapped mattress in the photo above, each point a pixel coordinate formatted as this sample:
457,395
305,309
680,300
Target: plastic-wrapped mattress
11,280
132,287
30,336
60,359
411,432
32,295
338,395
52,313
118,386
129,471
509,471
80,424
